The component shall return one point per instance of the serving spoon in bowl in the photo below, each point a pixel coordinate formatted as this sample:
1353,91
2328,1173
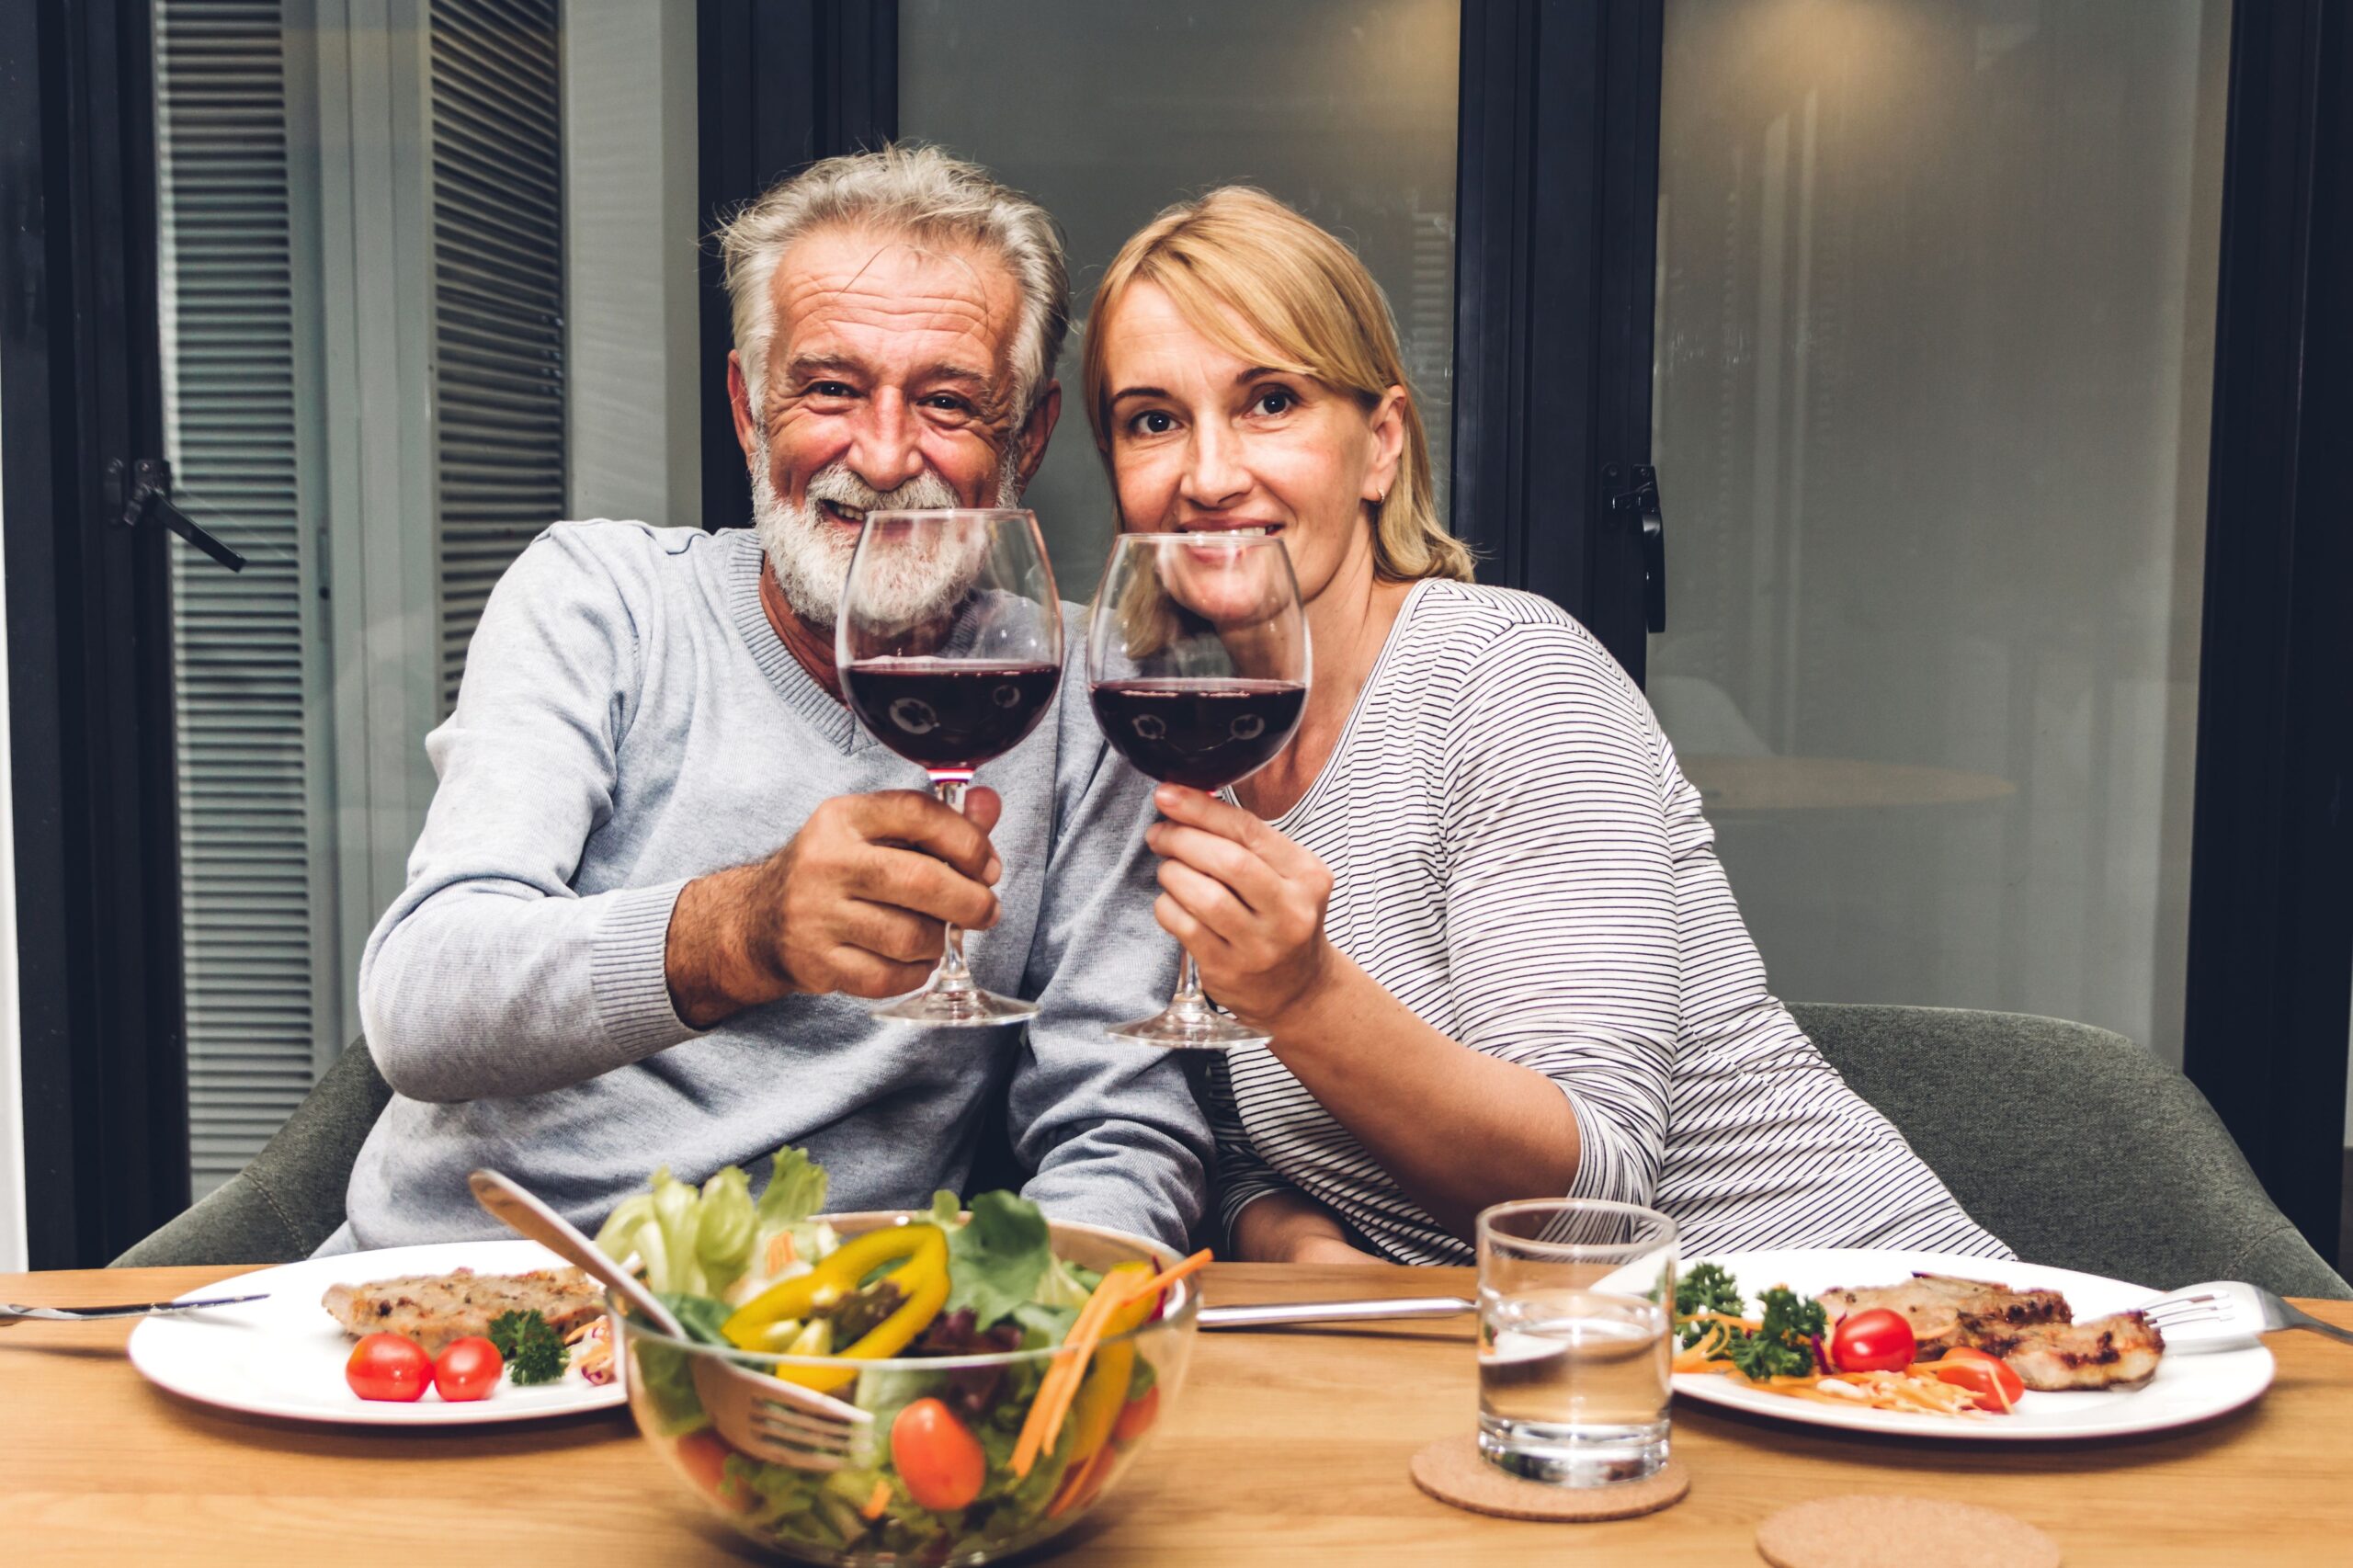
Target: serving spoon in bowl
768,1418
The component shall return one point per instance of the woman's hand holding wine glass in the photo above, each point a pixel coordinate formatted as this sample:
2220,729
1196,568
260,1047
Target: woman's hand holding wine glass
1247,902
1196,664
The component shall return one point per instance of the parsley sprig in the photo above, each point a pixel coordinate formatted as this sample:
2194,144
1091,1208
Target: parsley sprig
533,1352
1784,1345
1706,1288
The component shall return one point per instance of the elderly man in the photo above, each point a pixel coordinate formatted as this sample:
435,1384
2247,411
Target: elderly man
603,961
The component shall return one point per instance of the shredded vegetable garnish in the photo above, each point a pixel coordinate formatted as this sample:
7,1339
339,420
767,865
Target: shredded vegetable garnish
591,1345
1779,1352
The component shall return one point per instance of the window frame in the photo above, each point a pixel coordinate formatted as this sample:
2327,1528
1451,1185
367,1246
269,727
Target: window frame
100,1005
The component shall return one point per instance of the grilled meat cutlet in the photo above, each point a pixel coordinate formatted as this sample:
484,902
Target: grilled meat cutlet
434,1308
1946,1313
2100,1353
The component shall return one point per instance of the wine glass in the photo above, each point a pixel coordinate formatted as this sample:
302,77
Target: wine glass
1197,665
949,647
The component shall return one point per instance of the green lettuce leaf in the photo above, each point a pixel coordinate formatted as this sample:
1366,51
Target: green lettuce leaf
1065,1284
796,1190
677,1224
723,1229
617,1238
700,1316
665,1378
995,1260
1043,1327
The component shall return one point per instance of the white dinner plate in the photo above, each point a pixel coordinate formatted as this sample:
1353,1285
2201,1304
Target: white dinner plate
2186,1388
284,1356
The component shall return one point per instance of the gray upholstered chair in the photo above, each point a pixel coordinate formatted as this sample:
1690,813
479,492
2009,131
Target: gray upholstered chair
291,1198
2073,1144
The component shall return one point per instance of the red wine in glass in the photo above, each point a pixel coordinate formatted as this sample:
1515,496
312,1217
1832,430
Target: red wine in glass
947,716
1197,664
1204,734
949,644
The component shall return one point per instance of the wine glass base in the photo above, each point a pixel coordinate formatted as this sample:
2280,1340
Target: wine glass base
1193,1027
952,1009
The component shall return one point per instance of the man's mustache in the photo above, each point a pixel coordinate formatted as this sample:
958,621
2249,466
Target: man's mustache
838,485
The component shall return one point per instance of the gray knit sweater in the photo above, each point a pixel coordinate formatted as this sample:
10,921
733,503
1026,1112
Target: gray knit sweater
629,721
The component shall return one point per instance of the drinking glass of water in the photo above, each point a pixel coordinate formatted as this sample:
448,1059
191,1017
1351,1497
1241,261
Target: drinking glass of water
1576,1308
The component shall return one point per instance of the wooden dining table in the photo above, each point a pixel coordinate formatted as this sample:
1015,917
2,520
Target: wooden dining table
1287,1448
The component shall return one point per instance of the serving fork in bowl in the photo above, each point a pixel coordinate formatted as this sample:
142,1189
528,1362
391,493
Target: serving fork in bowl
768,1418
2224,1314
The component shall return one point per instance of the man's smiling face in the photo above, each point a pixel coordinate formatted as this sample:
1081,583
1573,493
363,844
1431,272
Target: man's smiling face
889,382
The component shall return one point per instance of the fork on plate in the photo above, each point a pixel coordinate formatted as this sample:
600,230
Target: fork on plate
144,1309
2226,1314
765,1417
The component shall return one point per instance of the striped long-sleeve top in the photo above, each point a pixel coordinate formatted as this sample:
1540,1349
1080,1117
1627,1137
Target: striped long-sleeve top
1517,858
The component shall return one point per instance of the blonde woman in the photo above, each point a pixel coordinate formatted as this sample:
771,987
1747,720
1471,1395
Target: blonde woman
1474,903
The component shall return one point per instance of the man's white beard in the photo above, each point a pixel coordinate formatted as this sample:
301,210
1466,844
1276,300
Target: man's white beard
810,555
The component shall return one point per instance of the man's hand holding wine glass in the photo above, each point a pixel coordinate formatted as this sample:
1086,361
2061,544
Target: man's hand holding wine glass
857,901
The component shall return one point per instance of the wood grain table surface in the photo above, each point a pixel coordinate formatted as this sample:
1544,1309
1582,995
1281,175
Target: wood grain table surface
1287,1448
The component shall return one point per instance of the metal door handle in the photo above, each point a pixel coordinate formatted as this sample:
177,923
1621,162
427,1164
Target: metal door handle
146,485
1639,504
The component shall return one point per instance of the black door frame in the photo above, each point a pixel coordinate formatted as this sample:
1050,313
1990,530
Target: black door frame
1555,200
782,82
2270,973
105,1086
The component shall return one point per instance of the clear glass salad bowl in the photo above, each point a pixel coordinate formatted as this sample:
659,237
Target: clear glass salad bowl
865,1512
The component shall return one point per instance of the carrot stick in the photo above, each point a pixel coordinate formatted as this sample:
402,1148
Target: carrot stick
1073,1485
779,1254
878,1502
1061,1382
1043,1425
1082,1350
1163,1280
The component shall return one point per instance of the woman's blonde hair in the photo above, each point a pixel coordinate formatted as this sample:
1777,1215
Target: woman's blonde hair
1238,262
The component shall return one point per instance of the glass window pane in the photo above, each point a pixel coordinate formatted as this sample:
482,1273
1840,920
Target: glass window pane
1934,358
421,293
1345,108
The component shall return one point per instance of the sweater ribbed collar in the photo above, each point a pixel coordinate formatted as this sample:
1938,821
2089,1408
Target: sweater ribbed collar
792,683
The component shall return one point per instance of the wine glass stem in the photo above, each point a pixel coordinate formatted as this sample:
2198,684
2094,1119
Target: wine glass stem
951,974
1188,997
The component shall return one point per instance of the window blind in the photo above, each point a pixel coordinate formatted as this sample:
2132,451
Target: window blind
497,290
245,646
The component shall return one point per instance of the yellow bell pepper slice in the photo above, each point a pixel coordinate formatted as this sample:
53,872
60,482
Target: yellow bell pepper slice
921,1278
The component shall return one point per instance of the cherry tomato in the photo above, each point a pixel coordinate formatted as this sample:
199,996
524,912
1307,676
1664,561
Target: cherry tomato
1136,1416
1993,1384
468,1369
1875,1341
386,1366
704,1456
941,1462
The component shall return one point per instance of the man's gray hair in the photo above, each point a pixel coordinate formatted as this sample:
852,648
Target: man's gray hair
918,191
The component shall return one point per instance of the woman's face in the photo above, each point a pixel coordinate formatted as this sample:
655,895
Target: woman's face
1202,440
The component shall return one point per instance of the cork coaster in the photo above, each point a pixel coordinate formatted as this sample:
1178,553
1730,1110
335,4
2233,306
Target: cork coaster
1872,1532
1453,1470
